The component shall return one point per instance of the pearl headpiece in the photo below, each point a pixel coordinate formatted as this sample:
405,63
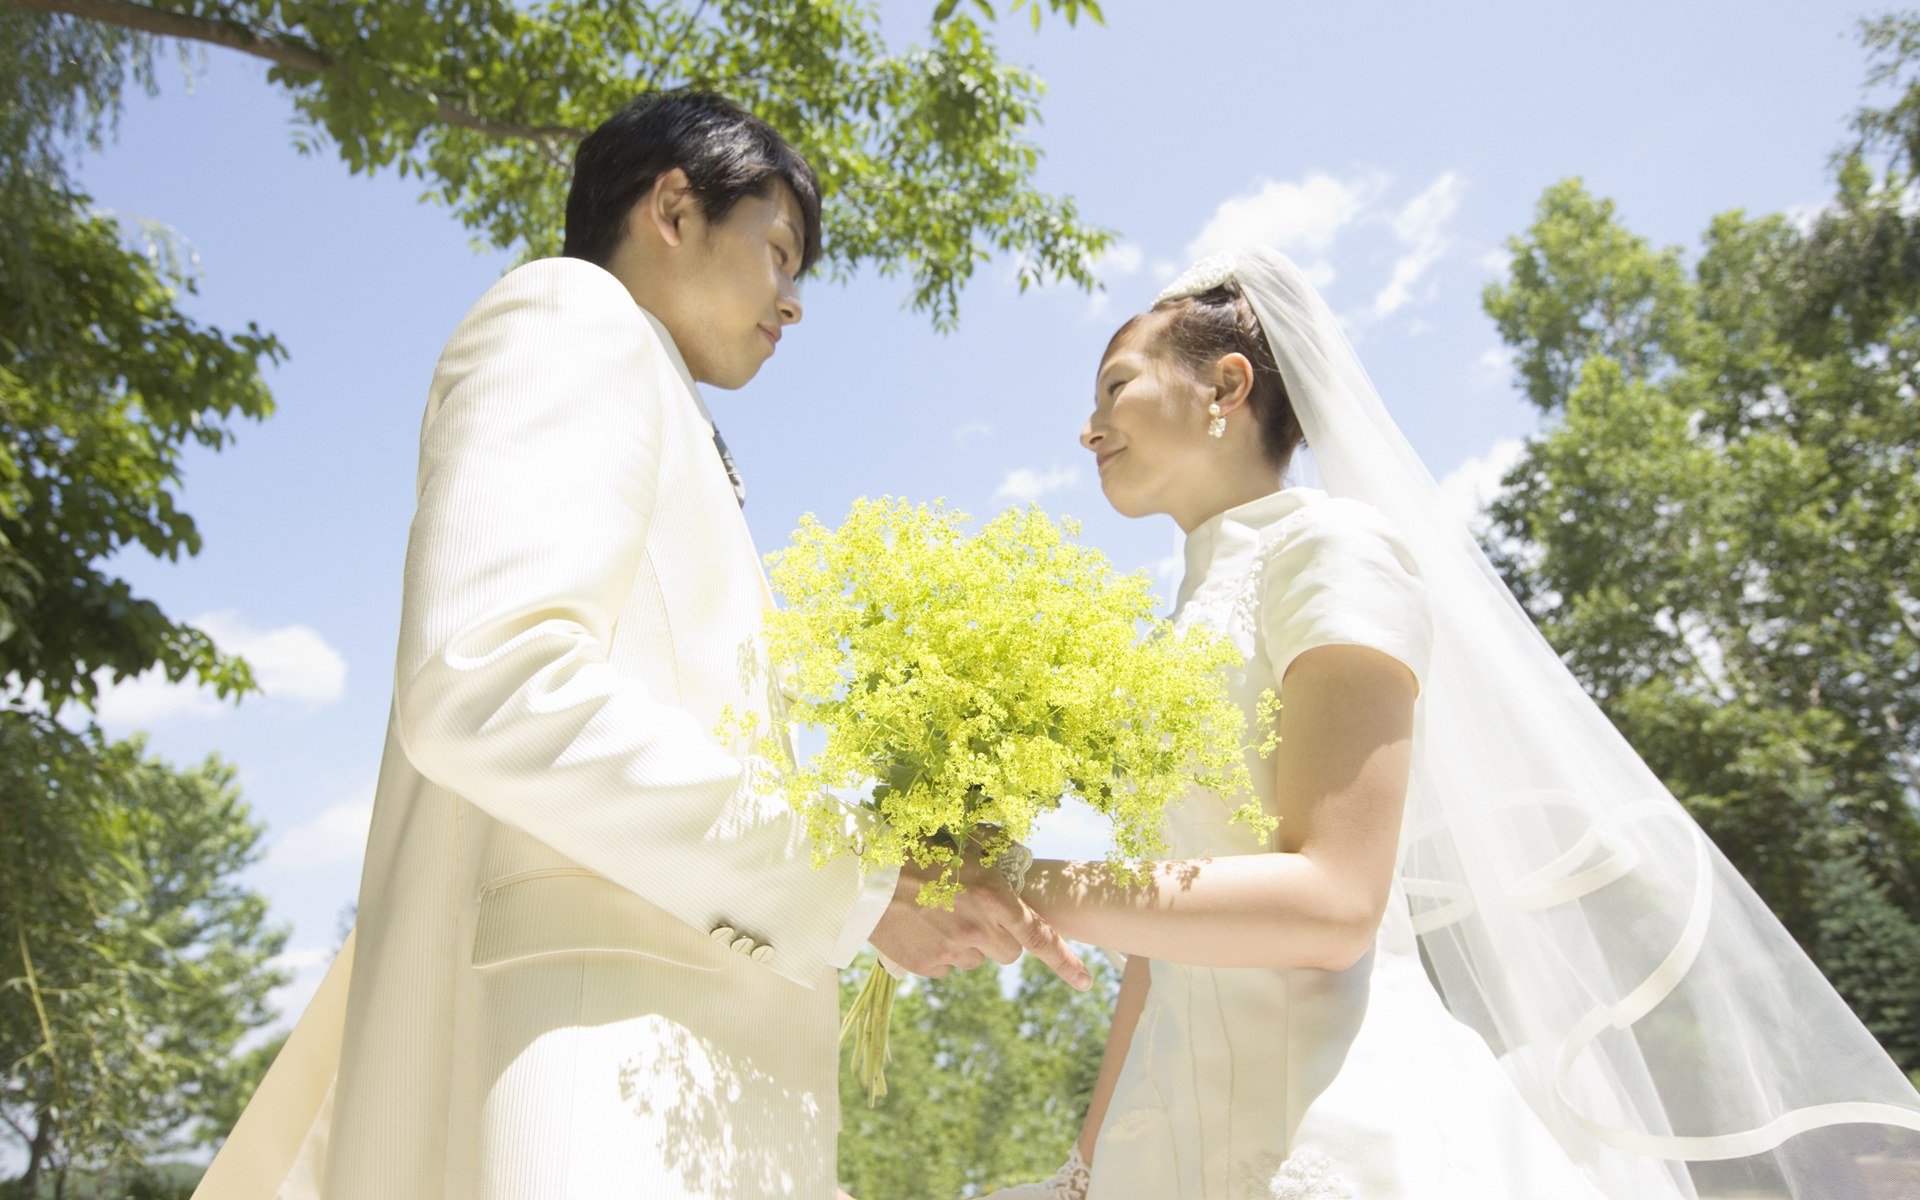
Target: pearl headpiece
1203,276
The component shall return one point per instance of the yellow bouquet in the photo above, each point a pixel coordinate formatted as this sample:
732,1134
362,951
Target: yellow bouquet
967,682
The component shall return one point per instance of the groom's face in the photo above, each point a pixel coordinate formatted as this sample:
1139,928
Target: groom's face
735,287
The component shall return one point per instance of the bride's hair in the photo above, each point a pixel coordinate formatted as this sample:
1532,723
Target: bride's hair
1213,324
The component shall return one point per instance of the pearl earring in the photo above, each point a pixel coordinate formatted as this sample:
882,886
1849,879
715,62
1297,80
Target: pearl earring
1218,426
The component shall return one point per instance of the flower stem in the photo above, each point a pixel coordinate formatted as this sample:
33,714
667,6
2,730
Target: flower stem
867,1022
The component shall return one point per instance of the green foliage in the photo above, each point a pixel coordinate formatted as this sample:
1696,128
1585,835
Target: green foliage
158,1181
103,383
90,462
1871,951
1584,288
133,962
62,82
975,680
925,154
1071,9
989,1089
1720,526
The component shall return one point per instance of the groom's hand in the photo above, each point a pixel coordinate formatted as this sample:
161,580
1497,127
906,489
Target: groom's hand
987,921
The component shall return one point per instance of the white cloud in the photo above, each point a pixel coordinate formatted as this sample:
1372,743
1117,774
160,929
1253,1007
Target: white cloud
293,662
1497,261
1420,326
1301,219
336,837
1305,218
1495,365
1026,485
308,966
148,699
1470,487
972,430
305,959
1420,226
1121,258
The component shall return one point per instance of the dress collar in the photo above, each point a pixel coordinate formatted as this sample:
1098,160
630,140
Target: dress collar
1236,533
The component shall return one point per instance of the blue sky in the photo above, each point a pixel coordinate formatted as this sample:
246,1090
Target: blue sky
1392,146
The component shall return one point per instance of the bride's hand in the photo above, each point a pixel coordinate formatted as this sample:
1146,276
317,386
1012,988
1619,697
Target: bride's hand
988,921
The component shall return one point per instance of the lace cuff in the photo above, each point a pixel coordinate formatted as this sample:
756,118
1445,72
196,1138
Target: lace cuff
1068,1183
1071,1180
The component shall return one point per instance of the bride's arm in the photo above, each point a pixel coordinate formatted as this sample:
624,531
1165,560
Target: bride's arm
1126,1014
1341,773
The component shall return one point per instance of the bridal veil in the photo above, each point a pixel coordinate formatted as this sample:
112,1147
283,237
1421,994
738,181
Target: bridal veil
1638,992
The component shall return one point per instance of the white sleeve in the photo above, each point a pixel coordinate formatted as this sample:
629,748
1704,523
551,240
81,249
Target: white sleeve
539,468
1339,574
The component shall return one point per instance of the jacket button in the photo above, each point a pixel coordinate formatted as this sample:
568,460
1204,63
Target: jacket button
722,934
743,946
762,954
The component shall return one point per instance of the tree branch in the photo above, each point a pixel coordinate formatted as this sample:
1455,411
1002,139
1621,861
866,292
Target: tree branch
680,38
279,49
232,34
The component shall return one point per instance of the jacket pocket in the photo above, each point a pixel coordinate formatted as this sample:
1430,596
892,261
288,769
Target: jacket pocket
572,911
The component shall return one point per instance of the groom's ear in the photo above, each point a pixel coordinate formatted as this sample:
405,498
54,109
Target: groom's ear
1233,381
667,211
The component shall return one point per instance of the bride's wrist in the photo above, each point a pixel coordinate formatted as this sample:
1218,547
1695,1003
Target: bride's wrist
1048,887
1063,882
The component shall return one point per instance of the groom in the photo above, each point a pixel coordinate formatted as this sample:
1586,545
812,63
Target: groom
593,957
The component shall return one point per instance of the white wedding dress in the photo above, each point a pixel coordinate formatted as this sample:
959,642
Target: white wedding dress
1262,1084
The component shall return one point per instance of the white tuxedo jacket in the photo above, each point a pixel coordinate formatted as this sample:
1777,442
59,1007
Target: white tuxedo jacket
593,958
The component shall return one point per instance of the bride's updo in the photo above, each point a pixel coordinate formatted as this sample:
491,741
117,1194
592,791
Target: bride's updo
1212,324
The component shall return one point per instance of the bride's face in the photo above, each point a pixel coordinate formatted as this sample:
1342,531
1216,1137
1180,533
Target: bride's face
1148,431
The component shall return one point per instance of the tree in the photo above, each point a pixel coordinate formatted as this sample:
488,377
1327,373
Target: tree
923,155
138,963
1719,528
986,1088
103,383
130,964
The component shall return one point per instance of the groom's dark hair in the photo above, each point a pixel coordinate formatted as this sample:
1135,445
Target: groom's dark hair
726,151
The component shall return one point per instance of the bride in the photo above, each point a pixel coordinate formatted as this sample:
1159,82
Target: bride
1486,953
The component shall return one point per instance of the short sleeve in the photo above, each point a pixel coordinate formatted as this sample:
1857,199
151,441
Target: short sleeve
1338,573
